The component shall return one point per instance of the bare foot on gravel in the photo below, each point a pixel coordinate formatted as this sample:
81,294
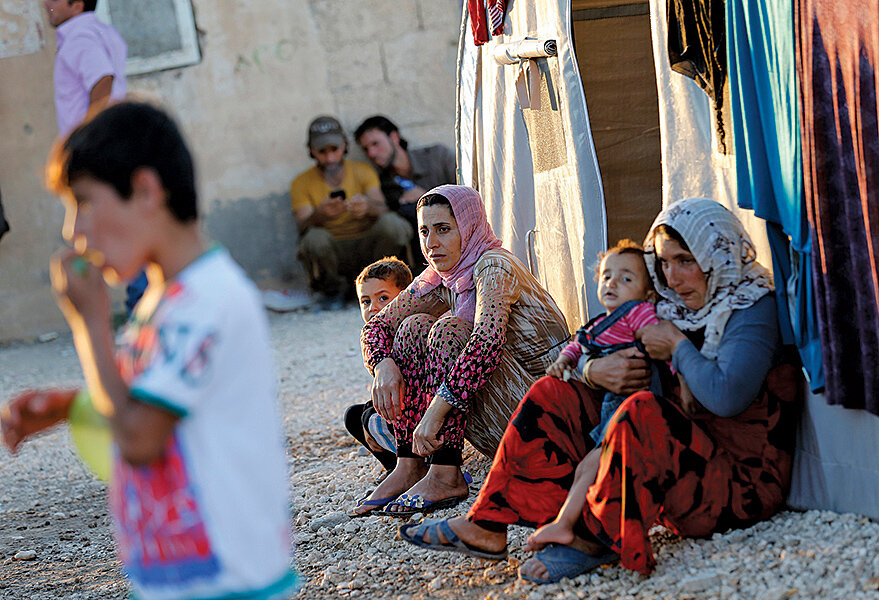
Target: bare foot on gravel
556,532
440,483
409,472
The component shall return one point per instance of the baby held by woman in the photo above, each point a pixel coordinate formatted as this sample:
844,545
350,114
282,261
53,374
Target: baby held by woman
626,292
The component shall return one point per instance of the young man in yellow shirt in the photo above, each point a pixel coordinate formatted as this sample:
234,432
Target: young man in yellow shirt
344,223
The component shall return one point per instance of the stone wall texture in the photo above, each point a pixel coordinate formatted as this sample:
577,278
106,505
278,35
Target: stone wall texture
268,67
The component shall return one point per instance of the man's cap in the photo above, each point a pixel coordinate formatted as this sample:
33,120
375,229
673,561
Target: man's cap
326,131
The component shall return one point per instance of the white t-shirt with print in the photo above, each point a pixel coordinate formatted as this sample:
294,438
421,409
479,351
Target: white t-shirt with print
210,518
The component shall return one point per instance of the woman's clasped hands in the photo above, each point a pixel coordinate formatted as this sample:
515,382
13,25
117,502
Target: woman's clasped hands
426,439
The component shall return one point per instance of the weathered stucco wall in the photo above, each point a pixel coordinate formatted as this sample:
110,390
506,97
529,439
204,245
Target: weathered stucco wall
268,67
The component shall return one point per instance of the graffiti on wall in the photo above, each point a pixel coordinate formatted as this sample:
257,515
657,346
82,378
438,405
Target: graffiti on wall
21,28
259,57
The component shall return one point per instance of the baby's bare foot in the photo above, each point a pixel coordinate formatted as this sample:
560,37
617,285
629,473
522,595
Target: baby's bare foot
555,532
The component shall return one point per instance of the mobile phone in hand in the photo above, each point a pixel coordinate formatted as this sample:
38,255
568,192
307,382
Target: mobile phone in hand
340,194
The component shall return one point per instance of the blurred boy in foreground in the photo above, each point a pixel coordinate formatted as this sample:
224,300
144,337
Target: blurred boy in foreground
198,490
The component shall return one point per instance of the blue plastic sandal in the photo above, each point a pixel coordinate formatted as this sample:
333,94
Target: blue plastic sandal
377,502
563,561
414,534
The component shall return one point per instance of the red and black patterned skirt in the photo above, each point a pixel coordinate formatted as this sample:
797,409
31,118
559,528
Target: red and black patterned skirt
694,475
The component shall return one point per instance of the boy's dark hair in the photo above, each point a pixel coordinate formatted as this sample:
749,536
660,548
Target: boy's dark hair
672,234
381,123
627,246
88,5
390,267
120,140
434,200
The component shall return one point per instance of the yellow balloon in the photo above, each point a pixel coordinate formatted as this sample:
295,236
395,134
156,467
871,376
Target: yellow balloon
91,435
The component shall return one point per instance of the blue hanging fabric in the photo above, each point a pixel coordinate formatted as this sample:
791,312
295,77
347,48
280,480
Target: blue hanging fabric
764,114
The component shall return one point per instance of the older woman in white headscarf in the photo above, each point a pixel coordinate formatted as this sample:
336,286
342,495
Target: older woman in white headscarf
718,461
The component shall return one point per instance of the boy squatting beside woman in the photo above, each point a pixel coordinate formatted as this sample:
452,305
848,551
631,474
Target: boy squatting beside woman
378,284
199,493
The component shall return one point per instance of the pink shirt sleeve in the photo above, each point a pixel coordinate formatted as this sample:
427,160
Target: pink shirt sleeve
643,314
573,351
85,54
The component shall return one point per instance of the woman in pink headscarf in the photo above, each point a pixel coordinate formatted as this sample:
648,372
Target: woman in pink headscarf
454,352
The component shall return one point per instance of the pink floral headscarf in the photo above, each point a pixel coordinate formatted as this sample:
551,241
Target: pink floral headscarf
477,238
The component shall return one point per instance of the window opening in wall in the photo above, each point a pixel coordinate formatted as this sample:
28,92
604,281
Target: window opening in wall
160,34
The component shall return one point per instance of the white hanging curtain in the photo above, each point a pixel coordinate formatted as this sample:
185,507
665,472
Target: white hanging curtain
524,142
692,167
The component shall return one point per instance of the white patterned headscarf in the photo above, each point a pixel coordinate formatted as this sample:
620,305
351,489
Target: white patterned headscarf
724,252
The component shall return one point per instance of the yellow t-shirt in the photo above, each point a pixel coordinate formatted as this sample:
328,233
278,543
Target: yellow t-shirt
309,189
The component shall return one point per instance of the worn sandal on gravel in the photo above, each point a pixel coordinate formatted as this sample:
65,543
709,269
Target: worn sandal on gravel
563,561
379,502
452,544
416,503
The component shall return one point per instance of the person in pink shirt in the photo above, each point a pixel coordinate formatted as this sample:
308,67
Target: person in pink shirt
89,63
627,294
89,73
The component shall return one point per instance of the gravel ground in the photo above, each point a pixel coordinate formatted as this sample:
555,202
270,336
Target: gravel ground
52,510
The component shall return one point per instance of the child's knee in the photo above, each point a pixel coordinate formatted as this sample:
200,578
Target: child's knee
354,419
584,467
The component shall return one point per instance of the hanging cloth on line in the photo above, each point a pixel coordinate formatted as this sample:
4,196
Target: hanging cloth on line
765,125
837,59
486,16
697,49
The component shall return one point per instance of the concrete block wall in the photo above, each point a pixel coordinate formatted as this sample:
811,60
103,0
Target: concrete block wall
268,67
